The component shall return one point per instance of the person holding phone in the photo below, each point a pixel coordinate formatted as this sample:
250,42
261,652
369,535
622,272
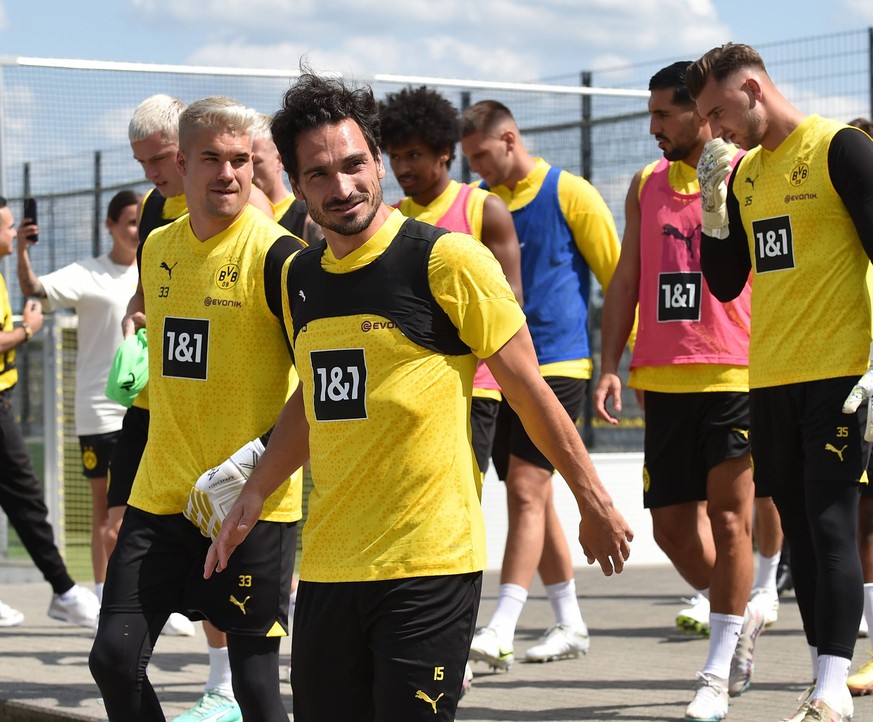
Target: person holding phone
29,216
98,289
21,495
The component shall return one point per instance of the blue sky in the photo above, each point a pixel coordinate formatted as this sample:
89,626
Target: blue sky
485,39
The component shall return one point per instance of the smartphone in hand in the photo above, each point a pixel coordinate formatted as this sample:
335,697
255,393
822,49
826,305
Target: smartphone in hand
30,212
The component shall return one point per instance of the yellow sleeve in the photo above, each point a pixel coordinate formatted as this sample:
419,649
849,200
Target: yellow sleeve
592,225
470,286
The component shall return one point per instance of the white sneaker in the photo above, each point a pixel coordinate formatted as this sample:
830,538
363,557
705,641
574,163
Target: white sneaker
559,642
485,647
694,619
767,600
81,609
710,700
815,710
743,661
10,617
178,625
804,699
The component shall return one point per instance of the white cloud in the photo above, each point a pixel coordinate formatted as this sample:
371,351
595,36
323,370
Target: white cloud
489,39
839,107
21,107
111,126
366,56
862,8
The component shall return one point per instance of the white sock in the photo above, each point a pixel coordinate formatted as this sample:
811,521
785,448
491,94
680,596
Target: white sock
219,679
98,590
565,605
813,653
868,609
724,633
766,576
830,686
70,594
510,602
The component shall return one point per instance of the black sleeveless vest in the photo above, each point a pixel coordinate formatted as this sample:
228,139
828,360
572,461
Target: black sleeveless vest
394,286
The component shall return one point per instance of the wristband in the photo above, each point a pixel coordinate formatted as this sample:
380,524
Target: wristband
28,331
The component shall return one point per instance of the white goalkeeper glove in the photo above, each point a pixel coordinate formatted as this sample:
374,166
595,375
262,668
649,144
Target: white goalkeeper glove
217,489
862,391
712,170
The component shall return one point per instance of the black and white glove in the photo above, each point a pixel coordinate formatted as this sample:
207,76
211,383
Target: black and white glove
712,170
217,489
863,391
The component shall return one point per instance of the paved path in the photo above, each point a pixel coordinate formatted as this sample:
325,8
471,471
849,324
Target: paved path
639,667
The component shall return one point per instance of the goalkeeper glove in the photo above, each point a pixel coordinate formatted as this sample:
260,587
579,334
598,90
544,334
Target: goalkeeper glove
712,170
862,391
217,489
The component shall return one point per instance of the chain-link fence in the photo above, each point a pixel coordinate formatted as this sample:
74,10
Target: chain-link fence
63,140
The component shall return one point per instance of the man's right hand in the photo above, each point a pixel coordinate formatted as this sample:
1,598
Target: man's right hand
605,538
236,527
608,387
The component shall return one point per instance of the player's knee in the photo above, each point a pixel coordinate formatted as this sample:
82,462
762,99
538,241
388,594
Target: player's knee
110,534
107,668
670,540
729,526
528,495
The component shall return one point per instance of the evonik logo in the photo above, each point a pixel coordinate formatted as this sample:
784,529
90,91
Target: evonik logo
226,302
376,325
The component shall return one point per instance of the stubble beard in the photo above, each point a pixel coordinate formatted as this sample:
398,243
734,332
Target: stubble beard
349,226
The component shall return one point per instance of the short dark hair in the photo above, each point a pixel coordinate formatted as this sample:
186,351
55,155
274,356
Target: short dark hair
483,117
314,101
673,77
863,124
419,113
119,202
719,63
3,202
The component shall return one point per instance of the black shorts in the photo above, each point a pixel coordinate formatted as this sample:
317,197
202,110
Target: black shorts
127,454
157,567
96,452
687,435
483,420
382,651
800,434
510,436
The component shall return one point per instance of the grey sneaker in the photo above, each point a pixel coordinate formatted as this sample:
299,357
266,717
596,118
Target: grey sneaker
81,609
